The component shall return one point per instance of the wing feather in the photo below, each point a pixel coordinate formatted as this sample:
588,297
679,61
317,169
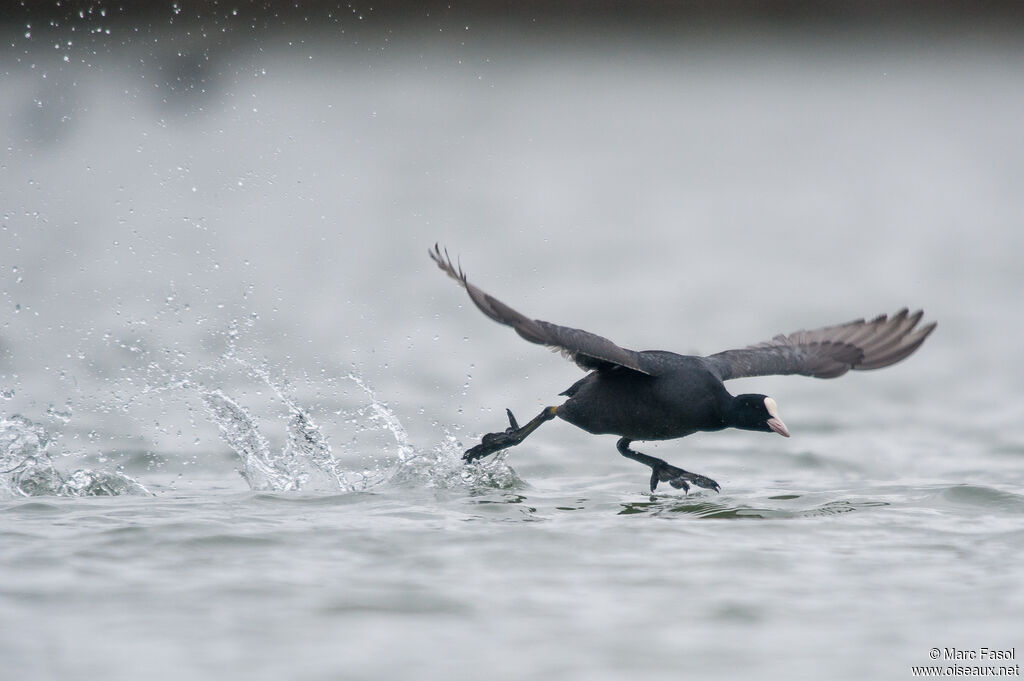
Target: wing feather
588,350
830,351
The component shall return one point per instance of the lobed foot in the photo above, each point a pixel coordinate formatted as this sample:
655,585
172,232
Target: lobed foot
662,471
513,435
495,442
679,478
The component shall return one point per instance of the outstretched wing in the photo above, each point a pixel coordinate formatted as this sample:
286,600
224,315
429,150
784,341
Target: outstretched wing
588,350
828,352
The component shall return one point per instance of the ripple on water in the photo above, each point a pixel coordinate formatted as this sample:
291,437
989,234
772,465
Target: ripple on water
788,506
980,498
35,508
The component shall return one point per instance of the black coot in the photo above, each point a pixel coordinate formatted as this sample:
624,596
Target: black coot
659,395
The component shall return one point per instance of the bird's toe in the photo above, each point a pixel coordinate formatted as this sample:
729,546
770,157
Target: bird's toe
493,442
679,483
513,425
705,482
670,474
474,453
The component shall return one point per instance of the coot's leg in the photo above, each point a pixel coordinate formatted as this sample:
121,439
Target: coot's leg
513,435
662,471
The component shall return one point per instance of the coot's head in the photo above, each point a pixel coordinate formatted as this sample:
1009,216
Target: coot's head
757,412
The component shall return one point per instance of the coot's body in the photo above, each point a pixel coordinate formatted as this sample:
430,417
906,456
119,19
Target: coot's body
646,407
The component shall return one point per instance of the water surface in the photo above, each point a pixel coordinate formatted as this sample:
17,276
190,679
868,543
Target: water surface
236,390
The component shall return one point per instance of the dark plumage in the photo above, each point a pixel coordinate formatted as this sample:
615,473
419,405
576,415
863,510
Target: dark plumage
659,395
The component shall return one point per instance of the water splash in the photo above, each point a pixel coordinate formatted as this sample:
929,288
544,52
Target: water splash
307,444
27,469
380,412
307,460
443,468
438,467
260,468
